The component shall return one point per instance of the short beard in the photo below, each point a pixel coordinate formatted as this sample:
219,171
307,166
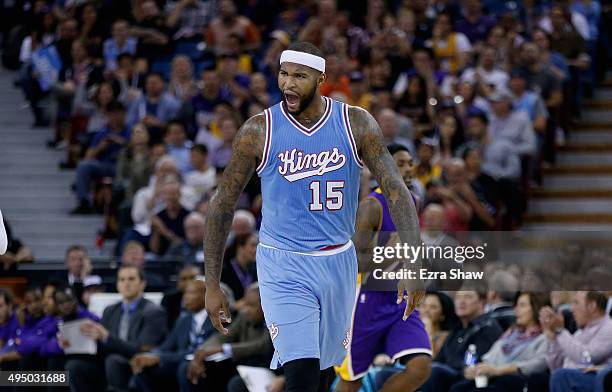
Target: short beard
305,102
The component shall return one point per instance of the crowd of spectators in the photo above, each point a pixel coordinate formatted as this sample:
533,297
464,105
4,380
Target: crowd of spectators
146,96
522,338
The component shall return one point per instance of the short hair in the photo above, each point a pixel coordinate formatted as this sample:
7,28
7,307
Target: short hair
140,271
153,73
195,215
479,287
121,21
163,160
124,56
430,53
176,122
115,106
73,248
599,298
201,148
505,284
396,147
133,244
305,47
469,148
247,215
191,266
482,116
7,295
67,291
242,239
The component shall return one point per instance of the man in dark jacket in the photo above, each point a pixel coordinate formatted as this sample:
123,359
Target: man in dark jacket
475,328
131,326
158,369
246,343
173,300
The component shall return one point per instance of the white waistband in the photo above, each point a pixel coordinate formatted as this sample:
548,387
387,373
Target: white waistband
315,252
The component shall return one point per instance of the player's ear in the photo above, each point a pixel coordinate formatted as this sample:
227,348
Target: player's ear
321,79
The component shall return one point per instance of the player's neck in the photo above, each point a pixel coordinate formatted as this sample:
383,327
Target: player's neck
313,112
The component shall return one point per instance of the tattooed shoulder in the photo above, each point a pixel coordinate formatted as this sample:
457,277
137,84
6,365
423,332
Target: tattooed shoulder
251,138
362,122
367,134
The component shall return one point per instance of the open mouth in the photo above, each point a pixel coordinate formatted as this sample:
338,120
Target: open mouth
292,100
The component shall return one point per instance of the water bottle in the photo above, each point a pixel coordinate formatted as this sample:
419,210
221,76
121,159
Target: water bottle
470,358
586,360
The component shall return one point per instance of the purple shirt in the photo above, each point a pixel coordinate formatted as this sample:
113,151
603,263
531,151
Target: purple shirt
7,330
51,347
30,342
596,338
476,31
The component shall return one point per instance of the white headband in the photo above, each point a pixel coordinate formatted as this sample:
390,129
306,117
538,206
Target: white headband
307,59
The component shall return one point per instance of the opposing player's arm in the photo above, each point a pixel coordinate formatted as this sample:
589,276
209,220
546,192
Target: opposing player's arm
368,219
247,150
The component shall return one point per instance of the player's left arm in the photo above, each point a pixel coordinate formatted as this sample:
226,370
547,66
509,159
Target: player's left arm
374,153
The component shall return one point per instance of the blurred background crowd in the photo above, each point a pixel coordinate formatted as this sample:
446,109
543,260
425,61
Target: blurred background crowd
144,99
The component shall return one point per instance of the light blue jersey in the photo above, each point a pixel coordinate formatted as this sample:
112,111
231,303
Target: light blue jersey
310,185
309,180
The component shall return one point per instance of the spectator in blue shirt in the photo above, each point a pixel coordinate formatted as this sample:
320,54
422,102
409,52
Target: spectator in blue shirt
199,112
120,43
178,147
101,156
154,108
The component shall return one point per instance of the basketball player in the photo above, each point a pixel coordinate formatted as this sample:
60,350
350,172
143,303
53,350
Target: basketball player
308,151
377,319
3,238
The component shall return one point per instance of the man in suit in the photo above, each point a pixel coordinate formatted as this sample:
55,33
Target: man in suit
173,300
131,326
159,369
78,267
247,342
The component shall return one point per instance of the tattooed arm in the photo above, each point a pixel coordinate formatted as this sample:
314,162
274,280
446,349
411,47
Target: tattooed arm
375,155
247,150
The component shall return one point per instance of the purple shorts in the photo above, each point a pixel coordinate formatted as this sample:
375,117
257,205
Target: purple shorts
378,328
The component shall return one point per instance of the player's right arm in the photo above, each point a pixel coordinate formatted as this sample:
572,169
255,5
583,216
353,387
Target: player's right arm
247,150
368,218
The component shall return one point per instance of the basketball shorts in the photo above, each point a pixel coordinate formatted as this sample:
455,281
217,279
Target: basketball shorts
378,328
307,299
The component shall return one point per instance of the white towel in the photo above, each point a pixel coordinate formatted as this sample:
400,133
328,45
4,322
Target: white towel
3,239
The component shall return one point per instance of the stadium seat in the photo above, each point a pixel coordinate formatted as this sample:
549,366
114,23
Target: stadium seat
163,67
189,49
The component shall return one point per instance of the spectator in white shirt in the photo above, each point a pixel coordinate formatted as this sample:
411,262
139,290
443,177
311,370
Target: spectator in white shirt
486,75
204,177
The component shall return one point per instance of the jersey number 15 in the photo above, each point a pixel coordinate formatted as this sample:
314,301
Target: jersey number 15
334,196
